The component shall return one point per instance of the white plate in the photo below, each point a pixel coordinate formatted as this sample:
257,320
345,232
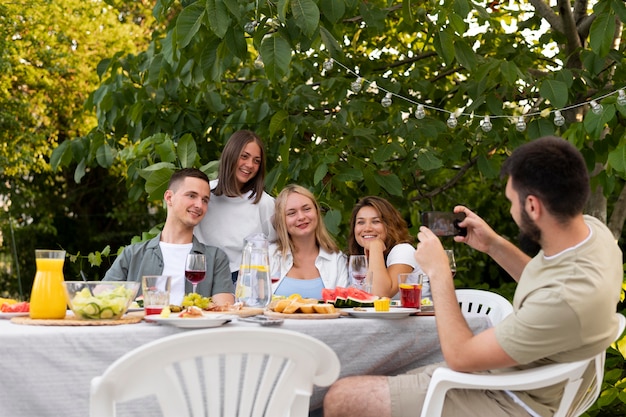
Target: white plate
393,313
189,323
11,315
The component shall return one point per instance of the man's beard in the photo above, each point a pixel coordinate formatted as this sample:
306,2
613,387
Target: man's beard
529,235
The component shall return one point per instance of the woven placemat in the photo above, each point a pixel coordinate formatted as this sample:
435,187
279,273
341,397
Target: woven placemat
72,321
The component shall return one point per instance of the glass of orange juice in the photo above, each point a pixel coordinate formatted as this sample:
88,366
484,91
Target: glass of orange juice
410,285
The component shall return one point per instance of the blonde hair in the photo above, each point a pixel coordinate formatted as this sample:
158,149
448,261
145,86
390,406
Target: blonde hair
323,239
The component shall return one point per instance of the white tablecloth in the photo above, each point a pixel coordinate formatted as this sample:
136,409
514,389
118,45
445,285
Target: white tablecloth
46,370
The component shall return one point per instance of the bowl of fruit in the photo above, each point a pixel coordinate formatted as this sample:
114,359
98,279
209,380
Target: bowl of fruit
100,300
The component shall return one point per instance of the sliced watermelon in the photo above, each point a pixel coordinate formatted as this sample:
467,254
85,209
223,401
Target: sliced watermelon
349,297
360,298
329,295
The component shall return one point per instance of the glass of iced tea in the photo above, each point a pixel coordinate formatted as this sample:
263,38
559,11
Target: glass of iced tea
410,286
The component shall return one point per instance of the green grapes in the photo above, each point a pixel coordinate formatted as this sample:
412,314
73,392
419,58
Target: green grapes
193,299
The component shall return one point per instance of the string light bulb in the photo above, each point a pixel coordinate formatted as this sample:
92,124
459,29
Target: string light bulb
621,97
420,113
356,85
596,107
486,125
328,64
386,101
452,122
258,62
520,125
559,120
250,26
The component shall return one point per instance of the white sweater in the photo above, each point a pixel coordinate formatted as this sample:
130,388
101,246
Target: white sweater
229,220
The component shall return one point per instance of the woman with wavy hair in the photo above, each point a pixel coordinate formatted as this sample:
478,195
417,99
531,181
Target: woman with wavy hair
309,257
378,230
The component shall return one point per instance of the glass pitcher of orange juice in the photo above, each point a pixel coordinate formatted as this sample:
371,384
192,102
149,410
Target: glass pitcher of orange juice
47,298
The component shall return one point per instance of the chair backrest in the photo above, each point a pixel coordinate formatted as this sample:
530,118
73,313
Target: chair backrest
593,391
445,379
227,371
480,302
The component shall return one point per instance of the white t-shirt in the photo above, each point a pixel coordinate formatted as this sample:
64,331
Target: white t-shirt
229,220
404,253
174,256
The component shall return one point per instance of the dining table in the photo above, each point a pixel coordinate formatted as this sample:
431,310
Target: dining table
46,370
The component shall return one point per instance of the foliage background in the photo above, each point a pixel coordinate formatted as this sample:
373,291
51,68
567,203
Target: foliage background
166,82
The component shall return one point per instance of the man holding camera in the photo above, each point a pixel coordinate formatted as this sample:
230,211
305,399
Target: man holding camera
564,304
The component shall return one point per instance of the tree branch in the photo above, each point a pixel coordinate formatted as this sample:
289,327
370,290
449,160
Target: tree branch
618,216
544,10
450,183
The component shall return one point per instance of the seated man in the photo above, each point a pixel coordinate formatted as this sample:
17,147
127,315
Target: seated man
187,198
564,304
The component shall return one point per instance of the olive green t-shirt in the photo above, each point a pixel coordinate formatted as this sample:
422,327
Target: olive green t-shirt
564,308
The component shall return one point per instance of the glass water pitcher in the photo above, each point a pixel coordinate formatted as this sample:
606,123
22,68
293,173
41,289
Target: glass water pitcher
253,282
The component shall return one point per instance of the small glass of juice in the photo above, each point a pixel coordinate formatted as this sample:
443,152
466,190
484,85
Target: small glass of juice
410,285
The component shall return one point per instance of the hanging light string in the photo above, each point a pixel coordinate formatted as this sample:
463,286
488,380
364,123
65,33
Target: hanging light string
485,124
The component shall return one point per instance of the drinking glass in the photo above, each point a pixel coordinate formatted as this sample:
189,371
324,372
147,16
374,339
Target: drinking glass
195,269
451,261
410,286
357,269
275,268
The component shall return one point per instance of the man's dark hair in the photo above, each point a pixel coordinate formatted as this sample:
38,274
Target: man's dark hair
181,174
552,169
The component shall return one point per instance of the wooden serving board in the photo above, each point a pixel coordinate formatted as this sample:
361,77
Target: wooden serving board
73,321
244,312
312,316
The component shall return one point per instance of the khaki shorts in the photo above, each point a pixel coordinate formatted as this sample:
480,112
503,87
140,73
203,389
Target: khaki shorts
408,392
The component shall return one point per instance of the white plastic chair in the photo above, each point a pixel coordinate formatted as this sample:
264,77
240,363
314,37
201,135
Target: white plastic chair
220,372
480,302
445,379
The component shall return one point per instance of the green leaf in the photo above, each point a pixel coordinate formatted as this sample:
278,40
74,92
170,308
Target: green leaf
348,174
465,54
383,153
306,14
61,155
157,178
428,161
617,159
332,221
390,183
487,167
276,55
104,155
320,173
601,33
333,10
188,23
330,42
444,45
210,169
79,173
595,123
277,122
555,92
187,151
219,19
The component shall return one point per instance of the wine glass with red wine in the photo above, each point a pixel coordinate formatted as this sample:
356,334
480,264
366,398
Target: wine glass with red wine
195,269
357,269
